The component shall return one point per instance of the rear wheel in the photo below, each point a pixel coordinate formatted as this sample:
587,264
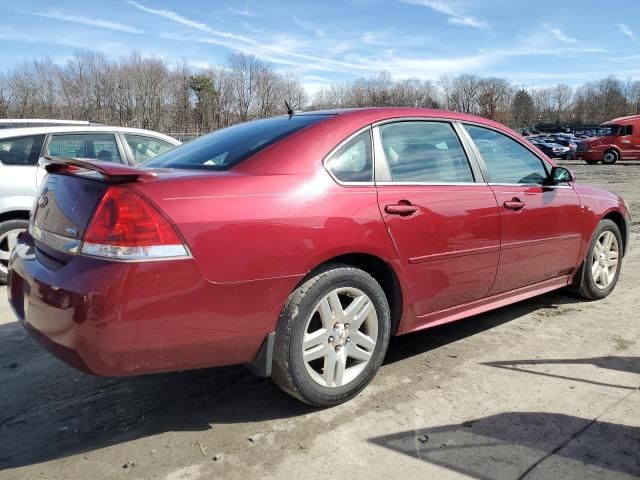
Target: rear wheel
9,231
332,336
610,157
602,266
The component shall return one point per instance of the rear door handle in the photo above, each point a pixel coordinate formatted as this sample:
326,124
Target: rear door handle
514,204
402,209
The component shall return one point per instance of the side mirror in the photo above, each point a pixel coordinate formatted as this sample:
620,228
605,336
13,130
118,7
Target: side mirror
560,175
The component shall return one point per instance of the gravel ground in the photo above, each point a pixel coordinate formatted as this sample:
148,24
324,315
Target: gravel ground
547,388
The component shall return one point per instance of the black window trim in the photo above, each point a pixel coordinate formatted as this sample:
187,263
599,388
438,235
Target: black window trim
547,166
383,172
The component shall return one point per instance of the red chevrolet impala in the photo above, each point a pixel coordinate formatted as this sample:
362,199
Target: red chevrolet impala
299,244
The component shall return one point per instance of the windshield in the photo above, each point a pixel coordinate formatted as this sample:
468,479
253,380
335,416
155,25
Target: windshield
225,148
608,131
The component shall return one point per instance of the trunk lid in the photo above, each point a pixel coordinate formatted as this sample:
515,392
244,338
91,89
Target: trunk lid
68,197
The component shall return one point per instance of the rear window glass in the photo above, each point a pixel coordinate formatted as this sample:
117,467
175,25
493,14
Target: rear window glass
21,150
225,148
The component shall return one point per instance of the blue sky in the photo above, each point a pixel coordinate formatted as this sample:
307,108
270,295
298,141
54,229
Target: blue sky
531,43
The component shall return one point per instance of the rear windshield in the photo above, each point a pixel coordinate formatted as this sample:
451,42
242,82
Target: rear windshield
225,148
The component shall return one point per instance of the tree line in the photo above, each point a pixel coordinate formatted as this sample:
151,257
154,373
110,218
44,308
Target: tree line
149,92
494,98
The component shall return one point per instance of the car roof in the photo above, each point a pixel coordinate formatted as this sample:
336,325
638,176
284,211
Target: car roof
18,132
375,114
44,121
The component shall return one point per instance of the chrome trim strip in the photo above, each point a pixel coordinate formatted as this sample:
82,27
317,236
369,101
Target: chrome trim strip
135,254
431,184
541,185
54,240
453,254
538,241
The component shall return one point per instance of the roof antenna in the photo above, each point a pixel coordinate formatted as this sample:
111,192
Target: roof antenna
290,111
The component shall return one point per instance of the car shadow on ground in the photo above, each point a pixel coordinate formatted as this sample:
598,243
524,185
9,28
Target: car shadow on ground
409,345
49,410
533,444
620,364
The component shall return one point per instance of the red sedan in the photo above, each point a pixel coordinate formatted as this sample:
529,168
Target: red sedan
299,244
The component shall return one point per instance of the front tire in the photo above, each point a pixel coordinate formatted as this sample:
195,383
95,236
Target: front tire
601,269
610,157
9,231
332,336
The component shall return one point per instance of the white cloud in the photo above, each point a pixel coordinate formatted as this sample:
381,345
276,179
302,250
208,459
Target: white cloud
624,28
469,21
203,27
241,11
455,16
91,22
169,15
559,34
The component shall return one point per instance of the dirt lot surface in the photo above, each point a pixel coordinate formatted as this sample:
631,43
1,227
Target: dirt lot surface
547,388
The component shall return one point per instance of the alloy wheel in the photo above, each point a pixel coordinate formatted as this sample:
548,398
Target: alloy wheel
340,337
8,240
604,265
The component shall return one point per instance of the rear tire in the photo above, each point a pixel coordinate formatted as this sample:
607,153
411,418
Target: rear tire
610,157
9,230
332,336
601,269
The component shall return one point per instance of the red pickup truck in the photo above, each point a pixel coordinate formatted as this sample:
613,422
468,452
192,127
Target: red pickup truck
617,139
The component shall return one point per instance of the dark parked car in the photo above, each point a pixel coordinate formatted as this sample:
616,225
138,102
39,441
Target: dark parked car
299,244
564,141
552,150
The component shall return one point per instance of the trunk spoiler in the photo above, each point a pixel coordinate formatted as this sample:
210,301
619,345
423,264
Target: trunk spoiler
112,172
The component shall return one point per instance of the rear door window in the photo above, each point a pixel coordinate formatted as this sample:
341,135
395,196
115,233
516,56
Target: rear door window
145,148
95,146
424,152
23,150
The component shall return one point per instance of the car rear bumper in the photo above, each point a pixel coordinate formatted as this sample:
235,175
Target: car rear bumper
117,318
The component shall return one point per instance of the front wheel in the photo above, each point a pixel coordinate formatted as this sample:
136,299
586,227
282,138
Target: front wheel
610,157
602,266
332,336
9,231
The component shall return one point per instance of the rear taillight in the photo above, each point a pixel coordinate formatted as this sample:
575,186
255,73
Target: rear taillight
126,226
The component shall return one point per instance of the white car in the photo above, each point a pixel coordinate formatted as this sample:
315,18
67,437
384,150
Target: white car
20,176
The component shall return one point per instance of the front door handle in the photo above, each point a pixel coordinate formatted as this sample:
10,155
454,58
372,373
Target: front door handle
402,209
514,204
